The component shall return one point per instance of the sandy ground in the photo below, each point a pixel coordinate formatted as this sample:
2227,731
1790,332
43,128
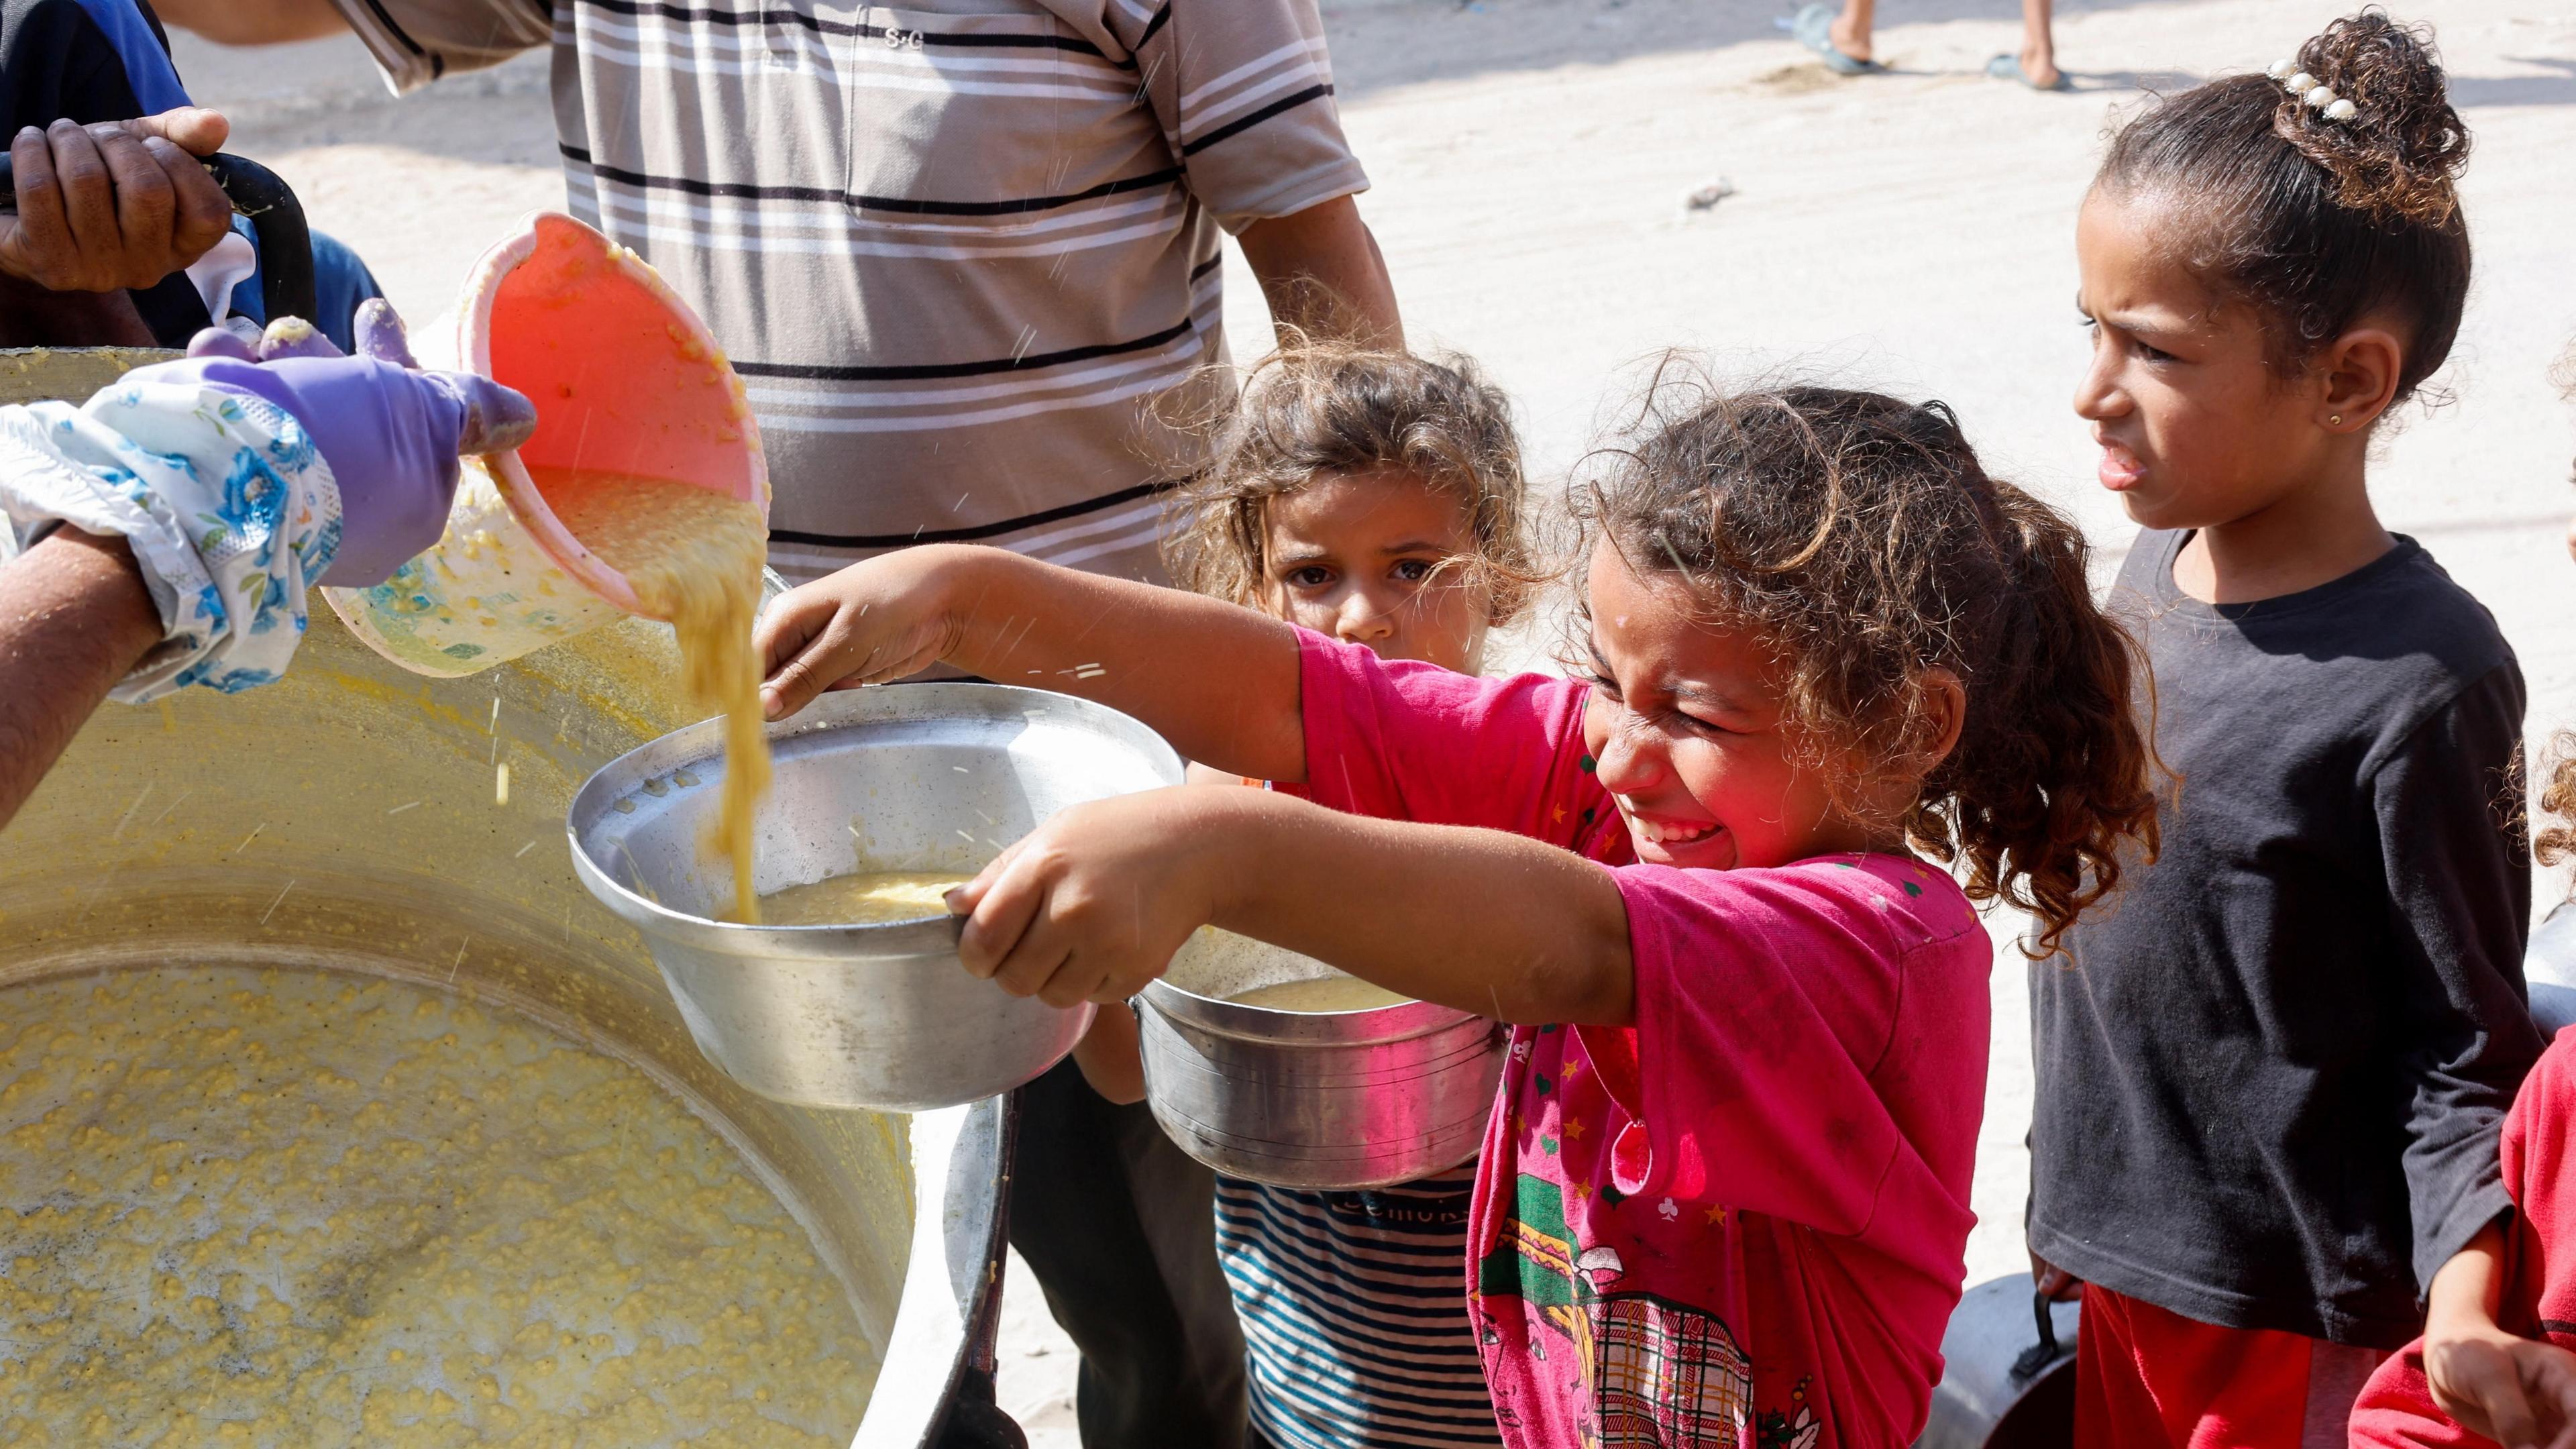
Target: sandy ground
1914,231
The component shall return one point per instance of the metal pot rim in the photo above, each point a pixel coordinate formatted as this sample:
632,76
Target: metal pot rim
1400,1021
846,709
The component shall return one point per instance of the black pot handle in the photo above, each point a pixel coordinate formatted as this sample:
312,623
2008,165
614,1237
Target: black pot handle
261,196
2043,1353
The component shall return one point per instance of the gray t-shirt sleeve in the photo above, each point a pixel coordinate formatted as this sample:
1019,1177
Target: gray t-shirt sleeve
2449,803
1243,90
417,41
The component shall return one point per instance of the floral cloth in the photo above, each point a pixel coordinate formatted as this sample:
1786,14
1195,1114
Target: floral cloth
229,509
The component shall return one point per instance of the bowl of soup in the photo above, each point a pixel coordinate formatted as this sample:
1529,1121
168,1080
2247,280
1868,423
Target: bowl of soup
1277,1068
847,992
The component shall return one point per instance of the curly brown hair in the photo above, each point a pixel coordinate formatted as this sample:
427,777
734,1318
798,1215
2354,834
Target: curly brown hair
2318,222
1860,538
2558,798
1319,408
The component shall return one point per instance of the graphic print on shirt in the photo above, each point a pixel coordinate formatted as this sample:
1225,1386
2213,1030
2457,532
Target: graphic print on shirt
1659,1372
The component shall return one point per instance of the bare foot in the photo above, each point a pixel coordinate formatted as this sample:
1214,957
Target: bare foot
2041,67
1849,40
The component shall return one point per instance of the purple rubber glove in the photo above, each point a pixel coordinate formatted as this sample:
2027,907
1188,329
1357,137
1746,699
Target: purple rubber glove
391,433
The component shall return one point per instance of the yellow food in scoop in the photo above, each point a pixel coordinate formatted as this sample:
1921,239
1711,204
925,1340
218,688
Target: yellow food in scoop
693,556
871,898
1335,992
292,1208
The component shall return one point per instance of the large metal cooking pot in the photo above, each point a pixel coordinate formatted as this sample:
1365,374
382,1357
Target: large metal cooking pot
1334,1100
2008,1371
346,819
914,777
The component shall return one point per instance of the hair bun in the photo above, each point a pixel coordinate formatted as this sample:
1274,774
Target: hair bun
2400,148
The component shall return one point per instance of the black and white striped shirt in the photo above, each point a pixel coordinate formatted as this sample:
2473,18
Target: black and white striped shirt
953,249
1354,1309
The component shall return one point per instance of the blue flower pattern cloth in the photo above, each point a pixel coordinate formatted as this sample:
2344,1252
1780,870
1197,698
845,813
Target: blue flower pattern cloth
229,509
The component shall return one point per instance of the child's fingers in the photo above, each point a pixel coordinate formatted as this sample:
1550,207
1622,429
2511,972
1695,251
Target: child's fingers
800,641
1075,980
1000,904
2478,1383
2550,1373
1033,962
967,897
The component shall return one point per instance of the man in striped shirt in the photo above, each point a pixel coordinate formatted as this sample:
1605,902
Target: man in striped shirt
955,252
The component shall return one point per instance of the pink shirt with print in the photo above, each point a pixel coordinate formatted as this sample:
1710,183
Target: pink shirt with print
1741,1222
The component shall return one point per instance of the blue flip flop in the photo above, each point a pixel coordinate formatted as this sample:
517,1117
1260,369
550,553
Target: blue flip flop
2008,67
1813,26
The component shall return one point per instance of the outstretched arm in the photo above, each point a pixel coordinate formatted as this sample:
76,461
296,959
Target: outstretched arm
74,618
253,22
1092,904
1219,682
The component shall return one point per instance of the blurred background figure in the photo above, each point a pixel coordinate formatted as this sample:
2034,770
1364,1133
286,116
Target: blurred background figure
1843,40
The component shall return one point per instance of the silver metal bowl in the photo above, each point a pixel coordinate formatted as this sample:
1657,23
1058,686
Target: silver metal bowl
1311,1099
915,777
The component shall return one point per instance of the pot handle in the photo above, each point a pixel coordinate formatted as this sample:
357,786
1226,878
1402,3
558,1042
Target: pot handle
269,204
2044,1352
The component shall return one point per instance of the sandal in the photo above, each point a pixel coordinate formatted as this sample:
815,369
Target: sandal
1814,29
2008,67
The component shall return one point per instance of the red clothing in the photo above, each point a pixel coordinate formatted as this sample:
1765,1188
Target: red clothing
1742,1221
2539,1298
2149,1378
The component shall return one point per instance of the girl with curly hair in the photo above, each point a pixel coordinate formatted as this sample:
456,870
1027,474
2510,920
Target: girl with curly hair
1377,499
1723,1196
2269,1082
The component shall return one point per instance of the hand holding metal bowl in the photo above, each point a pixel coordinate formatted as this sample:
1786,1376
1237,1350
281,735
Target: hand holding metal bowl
926,777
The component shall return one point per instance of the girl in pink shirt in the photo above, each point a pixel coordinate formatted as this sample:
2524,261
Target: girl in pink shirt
1724,1193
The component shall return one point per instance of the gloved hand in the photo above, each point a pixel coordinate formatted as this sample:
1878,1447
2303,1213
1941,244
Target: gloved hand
391,433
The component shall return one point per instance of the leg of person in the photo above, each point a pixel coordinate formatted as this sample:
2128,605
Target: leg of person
340,282
1833,35
1176,1204
1075,1219
2149,1378
1851,30
2113,1408
2039,46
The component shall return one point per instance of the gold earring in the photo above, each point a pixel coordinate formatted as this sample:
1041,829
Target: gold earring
2334,420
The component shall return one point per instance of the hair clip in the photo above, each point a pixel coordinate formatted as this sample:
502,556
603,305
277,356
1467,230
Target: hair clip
2315,93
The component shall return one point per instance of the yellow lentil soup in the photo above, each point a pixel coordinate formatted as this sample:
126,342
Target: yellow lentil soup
870,898
693,557
291,1208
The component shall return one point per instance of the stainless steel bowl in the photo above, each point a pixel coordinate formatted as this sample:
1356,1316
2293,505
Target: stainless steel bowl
918,777
1340,1099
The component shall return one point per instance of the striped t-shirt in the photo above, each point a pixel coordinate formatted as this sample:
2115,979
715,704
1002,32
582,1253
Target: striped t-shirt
1354,1309
954,249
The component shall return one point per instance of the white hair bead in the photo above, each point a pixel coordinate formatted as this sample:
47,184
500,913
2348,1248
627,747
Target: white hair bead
2340,111
2321,98
2281,70
2300,84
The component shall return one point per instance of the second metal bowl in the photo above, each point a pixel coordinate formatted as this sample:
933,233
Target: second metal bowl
915,777
1311,1099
